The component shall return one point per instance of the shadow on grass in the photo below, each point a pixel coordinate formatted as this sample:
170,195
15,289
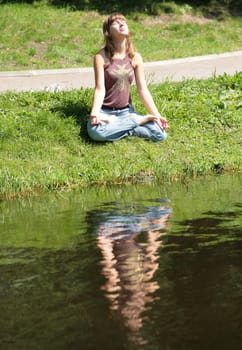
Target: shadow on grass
79,111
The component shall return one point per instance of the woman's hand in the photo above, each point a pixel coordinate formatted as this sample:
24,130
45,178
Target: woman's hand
95,120
163,123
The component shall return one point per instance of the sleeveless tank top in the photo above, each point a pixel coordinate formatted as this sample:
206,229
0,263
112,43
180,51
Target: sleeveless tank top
119,75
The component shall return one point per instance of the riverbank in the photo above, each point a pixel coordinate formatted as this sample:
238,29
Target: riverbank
44,145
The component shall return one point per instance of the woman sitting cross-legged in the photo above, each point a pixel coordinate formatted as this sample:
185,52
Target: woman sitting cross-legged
116,66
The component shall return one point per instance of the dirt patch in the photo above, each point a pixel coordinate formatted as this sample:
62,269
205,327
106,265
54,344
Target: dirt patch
39,48
87,16
166,18
195,19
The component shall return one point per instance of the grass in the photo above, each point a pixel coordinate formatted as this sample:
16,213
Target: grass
43,140
44,145
40,36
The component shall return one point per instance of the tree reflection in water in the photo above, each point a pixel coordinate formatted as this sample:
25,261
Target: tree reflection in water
129,238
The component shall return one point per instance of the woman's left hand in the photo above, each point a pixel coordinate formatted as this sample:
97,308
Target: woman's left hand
163,123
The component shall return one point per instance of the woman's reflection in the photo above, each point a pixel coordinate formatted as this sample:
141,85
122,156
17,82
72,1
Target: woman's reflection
129,238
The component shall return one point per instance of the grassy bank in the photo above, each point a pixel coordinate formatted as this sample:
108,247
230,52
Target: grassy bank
38,36
44,145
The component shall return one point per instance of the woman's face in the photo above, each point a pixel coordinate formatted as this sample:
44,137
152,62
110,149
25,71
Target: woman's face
119,27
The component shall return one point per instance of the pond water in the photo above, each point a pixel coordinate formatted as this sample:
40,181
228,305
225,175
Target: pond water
137,267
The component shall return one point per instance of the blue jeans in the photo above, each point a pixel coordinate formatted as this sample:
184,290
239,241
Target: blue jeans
117,124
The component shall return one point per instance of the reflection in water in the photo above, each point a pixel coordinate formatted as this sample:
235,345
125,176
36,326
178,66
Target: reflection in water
129,238
53,250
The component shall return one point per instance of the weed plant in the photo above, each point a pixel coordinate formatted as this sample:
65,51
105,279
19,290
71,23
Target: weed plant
44,144
39,36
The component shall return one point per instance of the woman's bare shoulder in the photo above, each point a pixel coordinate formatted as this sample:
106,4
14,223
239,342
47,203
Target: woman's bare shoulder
137,59
101,56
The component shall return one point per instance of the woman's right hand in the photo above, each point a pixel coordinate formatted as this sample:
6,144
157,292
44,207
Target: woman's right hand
95,120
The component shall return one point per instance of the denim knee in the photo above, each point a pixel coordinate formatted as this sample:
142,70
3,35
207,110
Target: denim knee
161,136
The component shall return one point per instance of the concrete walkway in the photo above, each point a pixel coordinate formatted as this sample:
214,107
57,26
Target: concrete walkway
200,67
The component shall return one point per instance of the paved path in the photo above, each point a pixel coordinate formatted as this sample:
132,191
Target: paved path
200,67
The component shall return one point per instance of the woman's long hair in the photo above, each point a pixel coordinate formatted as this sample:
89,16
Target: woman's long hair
109,45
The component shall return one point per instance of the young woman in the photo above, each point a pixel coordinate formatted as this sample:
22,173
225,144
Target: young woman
116,66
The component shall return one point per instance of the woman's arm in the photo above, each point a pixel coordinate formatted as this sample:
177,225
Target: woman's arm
143,90
99,91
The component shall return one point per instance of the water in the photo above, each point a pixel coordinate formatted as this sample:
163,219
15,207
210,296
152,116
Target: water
136,267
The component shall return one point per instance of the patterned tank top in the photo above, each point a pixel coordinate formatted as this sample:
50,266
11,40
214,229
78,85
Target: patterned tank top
119,75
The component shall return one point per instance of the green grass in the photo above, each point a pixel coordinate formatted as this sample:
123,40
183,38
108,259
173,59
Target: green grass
44,144
43,140
39,36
